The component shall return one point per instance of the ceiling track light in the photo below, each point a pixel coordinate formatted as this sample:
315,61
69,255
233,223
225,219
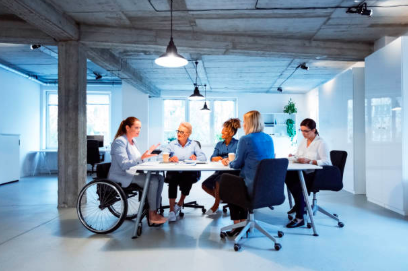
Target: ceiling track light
196,95
97,75
35,46
360,9
303,66
171,59
279,89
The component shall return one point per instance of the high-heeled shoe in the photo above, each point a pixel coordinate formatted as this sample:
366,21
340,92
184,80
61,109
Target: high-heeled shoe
295,223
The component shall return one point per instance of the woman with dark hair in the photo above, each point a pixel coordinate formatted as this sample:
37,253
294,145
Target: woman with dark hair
221,151
125,154
312,150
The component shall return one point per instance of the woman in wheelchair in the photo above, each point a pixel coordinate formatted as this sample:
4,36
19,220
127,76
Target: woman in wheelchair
125,154
221,151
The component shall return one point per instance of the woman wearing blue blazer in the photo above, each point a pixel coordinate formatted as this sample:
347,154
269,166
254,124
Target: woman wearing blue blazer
125,154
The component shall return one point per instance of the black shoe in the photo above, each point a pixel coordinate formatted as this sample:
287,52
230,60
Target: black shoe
293,210
234,232
295,223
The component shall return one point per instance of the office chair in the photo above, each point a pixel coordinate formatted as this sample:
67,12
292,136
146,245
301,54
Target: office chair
190,204
93,155
268,191
329,178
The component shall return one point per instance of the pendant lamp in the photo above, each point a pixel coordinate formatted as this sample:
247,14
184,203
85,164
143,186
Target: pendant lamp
171,58
205,107
196,96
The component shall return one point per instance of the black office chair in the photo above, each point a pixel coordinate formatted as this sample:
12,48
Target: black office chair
329,178
93,155
268,191
190,204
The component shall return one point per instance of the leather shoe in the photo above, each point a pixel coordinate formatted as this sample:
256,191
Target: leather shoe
295,223
234,232
293,210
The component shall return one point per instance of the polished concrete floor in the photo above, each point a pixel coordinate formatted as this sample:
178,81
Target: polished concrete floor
35,235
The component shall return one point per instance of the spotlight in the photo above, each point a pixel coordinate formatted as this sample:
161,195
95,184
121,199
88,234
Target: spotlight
303,66
97,75
360,9
35,46
279,89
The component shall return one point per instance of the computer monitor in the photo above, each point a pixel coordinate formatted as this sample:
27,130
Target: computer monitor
98,138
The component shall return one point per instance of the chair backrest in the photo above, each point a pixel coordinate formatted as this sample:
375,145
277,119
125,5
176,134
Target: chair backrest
338,159
198,142
269,183
102,170
93,156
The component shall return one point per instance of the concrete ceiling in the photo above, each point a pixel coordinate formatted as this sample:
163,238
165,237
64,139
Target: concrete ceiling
241,45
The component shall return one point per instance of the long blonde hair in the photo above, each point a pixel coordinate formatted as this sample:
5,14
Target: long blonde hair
253,122
122,127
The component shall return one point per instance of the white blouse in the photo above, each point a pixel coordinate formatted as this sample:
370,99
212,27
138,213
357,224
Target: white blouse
317,150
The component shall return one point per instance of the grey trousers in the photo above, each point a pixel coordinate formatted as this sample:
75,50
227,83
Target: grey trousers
155,188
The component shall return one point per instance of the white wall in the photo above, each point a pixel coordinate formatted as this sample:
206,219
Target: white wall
20,114
337,100
136,103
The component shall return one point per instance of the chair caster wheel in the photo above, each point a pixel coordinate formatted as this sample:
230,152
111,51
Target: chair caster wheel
340,224
181,214
271,207
278,246
280,234
224,210
203,211
223,235
309,225
335,215
139,230
237,247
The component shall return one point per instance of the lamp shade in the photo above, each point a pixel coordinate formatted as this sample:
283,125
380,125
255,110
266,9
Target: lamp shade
205,107
171,58
196,96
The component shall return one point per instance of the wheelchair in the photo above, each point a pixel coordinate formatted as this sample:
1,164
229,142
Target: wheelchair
103,205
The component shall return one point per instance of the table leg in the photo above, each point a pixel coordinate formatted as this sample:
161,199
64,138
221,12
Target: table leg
36,158
142,201
309,209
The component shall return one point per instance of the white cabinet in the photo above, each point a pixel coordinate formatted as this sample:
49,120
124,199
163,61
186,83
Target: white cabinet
275,126
9,158
384,127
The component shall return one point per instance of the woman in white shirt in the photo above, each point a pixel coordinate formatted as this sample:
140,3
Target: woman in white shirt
312,150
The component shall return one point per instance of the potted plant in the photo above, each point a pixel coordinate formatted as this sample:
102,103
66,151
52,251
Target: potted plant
290,108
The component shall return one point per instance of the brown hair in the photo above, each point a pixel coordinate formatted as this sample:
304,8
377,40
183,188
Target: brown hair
253,122
233,125
122,127
309,123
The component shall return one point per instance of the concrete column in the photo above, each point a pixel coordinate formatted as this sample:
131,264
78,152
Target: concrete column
71,122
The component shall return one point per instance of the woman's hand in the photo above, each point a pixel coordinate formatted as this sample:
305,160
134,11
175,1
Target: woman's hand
148,153
225,161
303,160
216,159
193,157
290,155
173,159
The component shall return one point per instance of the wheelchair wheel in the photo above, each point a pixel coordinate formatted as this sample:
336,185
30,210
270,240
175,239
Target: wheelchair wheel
93,205
133,206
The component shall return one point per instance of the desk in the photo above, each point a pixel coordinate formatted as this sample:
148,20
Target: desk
41,155
211,166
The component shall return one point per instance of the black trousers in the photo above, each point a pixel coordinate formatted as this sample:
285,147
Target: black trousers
215,178
233,190
183,179
293,182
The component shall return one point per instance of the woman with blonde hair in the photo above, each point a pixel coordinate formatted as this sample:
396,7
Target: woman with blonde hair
252,148
125,154
221,151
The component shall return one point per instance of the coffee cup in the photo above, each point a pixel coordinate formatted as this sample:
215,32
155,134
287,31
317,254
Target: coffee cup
231,156
166,157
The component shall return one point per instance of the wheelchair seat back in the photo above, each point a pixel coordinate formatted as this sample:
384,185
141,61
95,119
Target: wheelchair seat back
102,170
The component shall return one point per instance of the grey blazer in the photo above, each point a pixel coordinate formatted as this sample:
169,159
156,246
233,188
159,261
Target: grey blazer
122,160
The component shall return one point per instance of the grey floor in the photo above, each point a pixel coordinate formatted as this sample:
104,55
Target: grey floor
35,235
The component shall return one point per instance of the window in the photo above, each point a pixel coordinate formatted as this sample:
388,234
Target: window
207,126
97,113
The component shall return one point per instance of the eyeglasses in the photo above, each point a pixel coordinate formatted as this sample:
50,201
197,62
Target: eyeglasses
304,131
179,132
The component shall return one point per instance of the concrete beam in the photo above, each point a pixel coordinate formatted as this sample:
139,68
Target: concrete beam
20,32
71,122
222,44
45,17
120,68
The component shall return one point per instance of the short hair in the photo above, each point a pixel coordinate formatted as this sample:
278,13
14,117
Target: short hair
233,125
253,122
187,126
